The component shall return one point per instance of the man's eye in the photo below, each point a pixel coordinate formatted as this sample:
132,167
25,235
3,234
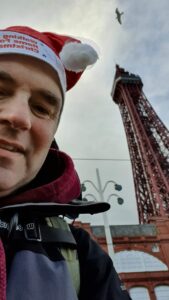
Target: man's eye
41,111
3,94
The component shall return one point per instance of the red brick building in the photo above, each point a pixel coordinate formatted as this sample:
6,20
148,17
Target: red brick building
141,256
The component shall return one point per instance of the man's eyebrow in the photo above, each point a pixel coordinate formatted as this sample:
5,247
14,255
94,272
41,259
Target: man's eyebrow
50,97
47,95
6,77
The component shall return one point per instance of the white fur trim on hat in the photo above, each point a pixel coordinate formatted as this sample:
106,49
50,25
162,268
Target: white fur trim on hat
77,56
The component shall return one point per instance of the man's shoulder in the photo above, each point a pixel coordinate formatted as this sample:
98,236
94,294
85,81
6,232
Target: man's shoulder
80,234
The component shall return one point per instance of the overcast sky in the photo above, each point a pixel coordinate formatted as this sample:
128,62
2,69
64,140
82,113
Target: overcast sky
91,126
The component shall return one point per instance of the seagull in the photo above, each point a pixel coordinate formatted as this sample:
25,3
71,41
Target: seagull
118,15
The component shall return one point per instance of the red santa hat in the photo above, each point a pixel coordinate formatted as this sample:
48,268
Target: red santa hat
67,55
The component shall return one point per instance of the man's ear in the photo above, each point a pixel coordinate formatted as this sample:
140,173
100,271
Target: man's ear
54,145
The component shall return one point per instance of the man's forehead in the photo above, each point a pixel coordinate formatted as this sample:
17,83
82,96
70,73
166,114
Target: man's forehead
8,60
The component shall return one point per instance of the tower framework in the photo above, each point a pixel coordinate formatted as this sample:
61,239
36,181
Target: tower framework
148,143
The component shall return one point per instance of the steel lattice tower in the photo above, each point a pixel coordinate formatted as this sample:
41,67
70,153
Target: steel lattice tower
148,143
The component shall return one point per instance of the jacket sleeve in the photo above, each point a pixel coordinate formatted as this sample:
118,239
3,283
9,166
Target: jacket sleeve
98,277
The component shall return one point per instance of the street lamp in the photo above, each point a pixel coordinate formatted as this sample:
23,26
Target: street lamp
100,190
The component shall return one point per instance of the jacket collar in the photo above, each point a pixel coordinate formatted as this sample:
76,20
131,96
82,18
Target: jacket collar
56,182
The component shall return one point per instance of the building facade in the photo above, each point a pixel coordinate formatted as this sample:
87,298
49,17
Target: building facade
141,256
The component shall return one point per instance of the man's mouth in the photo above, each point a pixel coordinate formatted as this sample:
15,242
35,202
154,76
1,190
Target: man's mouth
11,147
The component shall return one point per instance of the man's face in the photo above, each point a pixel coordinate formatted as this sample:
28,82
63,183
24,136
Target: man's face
30,105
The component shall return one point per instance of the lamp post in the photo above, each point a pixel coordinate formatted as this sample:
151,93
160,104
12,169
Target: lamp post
100,190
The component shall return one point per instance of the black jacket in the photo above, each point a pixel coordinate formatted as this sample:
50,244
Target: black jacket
99,280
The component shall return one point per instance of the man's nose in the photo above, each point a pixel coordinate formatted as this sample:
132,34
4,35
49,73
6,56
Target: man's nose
17,112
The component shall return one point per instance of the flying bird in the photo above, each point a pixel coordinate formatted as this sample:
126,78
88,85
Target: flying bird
118,15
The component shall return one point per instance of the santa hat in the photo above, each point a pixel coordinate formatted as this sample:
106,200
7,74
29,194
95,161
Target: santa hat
67,55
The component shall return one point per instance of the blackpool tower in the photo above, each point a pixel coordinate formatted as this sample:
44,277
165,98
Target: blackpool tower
148,143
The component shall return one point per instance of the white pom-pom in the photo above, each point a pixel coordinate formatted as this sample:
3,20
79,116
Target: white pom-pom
76,56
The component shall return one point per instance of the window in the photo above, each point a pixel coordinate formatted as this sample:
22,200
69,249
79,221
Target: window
162,292
139,293
137,261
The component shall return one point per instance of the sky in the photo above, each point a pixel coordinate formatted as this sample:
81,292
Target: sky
91,129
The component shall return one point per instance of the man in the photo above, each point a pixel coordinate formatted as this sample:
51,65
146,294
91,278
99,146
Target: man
38,183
